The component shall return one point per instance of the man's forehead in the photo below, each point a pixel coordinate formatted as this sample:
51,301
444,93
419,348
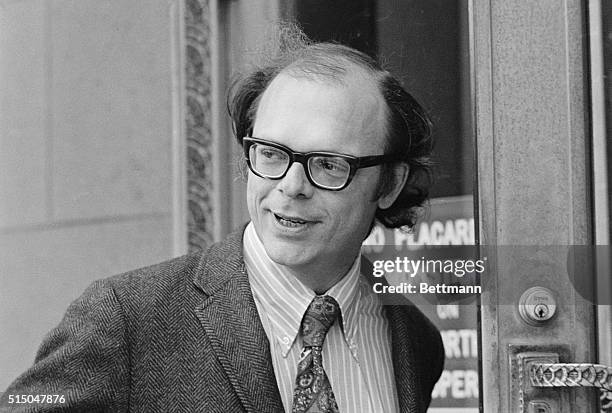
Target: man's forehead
355,86
328,115
353,90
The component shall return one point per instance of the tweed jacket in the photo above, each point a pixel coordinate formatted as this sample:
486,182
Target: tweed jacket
185,336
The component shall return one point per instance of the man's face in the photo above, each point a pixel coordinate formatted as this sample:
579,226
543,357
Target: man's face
301,226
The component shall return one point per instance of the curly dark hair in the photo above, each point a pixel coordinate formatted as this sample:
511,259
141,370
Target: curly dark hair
408,128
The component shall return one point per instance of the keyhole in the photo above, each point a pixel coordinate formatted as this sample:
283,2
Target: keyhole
541,311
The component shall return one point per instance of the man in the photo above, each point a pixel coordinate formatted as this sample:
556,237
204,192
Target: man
277,317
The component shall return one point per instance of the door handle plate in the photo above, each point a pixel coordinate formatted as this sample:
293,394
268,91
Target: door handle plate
526,398
570,375
537,378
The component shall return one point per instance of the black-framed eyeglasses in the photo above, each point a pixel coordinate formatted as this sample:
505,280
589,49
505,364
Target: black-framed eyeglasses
325,170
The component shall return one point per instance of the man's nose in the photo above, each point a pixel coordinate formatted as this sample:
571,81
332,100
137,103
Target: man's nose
295,183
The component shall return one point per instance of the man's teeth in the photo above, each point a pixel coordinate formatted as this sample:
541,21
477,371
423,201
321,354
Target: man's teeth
290,222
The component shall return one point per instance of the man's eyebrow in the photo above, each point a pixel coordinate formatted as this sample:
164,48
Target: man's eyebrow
331,151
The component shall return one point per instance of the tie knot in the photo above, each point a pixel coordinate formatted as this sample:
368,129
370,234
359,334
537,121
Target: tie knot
319,317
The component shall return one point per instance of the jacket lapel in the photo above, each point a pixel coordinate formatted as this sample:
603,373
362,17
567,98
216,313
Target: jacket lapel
229,317
406,379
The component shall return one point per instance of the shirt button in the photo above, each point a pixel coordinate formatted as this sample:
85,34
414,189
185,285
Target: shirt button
286,340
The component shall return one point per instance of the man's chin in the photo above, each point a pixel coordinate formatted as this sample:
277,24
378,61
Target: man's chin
287,253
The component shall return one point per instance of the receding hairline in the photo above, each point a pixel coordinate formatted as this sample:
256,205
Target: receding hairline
330,61
343,72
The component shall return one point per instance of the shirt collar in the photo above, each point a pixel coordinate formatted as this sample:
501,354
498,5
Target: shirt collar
284,298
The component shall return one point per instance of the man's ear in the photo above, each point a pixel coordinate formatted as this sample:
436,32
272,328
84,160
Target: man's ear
400,176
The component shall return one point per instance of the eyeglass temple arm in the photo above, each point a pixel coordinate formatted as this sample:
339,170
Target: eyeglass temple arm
368,161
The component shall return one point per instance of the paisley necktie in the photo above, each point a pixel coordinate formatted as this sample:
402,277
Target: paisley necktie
313,392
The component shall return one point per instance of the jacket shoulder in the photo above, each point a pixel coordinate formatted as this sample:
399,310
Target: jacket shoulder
155,289
163,274
179,281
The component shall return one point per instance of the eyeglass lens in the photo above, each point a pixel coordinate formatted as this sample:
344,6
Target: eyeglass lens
326,171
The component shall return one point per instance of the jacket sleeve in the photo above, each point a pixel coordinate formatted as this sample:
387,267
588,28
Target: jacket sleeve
84,360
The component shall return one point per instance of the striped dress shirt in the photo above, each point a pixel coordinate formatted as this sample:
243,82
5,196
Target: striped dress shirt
356,352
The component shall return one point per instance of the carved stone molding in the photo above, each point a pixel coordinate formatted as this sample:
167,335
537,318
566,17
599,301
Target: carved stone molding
198,124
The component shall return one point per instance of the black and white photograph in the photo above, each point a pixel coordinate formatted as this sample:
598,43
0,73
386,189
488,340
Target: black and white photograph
298,206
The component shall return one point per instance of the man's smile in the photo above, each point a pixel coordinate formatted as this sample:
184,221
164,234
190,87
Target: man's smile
292,221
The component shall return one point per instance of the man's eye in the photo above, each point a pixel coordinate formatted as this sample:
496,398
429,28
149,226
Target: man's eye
271,153
332,165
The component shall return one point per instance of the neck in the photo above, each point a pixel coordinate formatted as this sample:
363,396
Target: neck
320,278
